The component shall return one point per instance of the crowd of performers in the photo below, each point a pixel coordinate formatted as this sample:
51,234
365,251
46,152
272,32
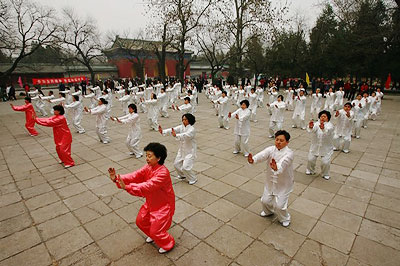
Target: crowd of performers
153,181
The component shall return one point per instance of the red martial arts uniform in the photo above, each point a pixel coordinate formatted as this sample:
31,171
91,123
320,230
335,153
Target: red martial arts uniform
155,216
62,137
30,122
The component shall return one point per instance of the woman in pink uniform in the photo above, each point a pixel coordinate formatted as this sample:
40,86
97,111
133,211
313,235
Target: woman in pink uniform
152,182
62,135
29,112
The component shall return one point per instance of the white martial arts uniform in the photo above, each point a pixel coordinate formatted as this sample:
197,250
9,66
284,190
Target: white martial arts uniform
48,99
135,133
186,108
279,184
276,120
93,101
152,113
242,130
186,155
289,100
162,98
240,96
367,104
339,95
379,102
358,116
373,109
125,100
316,105
321,145
329,102
260,97
273,95
223,112
299,112
101,122
343,130
39,104
253,106
76,111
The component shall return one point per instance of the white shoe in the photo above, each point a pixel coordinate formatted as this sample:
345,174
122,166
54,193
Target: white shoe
335,149
131,153
68,166
326,177
285,223
149,240
106,142
192,182
293,126
59,161
246,155
180,177
357,137
346,151
139,156
162,251
235,152
270,136
264,214
308,172
226,128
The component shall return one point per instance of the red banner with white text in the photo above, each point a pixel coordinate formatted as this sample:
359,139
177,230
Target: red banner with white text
49,81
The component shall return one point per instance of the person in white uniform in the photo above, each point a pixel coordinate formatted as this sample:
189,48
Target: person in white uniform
299,112
124,100
379,93
289,98
92,97
163,101
321,144
260,97
76,110
316,104
185,134
186,107
280,177
339,95
252,97
242,128
273,95
135,133
358,107
276,120
223,111
152,112
329,101
101,120
373,110
343,129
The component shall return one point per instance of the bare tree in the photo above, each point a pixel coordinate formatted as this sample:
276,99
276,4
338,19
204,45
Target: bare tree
245,19
184,17
24,27
80,36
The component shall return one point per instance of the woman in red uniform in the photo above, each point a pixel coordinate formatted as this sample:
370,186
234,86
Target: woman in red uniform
62,135
152,182
29,112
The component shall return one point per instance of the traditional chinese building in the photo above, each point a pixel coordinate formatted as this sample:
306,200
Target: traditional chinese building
137,58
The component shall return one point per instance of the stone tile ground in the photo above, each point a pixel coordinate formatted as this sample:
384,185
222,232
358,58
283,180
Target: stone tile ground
55,216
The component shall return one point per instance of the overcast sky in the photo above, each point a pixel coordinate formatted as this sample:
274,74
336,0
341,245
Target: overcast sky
130,15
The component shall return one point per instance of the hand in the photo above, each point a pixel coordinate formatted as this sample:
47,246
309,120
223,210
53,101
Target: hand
337,114
160,129
34,116
111,172
250,158
86,109
311,124
121,182
273,165
112,118
11,105
268,104
360,105
237,116
348,113
276,106
321,125
173,132
229,114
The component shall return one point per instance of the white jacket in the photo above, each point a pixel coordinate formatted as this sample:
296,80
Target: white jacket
329,101
252,100
101,115
316,101
133,121
322,139
242,126
76,107
339,98
277,113
223,108
152,108
186,136
300,106
278,182
344,124
358,111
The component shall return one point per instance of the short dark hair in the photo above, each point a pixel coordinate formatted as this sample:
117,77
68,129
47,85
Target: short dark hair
328,114
246,102
51,92
154,96
190,118
159,150
280,95
186,99
59,108
104,101
133,106
349,104
189,91
76,97
284,133
27,98
223,92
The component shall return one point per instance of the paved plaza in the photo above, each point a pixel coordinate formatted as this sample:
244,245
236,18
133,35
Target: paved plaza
55,216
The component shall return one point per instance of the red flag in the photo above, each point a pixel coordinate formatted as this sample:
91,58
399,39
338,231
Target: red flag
388,81
20,81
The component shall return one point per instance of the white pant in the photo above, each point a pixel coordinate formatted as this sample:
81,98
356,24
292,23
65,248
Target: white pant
77,124
274,126
253,113
276,204
314,112
184,168
163,111
132,144
153,123
341,141
298,122
357,127
223,121
242,144
102,134
325,163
